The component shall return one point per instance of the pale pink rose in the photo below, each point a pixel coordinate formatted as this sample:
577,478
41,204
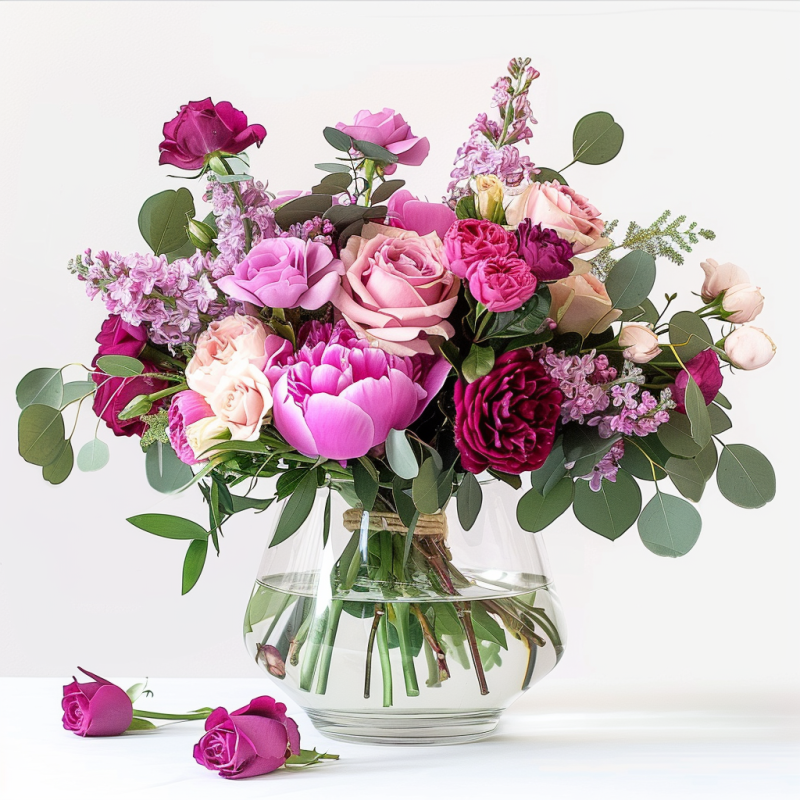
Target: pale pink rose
562,209
242,400
640,343
397,291
745,301
235,338
749,347
720,278
581,303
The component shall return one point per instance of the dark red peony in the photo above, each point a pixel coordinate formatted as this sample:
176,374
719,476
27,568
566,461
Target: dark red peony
547,254
507,419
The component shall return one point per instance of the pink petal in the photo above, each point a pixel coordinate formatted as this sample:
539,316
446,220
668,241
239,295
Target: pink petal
341,429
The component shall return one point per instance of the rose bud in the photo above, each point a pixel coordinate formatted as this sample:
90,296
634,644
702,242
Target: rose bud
201,235
743,302
640,343
490,196
271,660
749,347
720,278
98,708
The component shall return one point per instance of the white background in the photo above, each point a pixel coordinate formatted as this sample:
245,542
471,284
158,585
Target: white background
707,95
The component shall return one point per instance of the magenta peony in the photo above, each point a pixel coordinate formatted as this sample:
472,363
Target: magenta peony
389,130
470,240
284,273
704,368
412,214
250,741
545,252
504,283
507,419
339,397
97,708
202,128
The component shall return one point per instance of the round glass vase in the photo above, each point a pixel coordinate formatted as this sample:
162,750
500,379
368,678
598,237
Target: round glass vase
386,637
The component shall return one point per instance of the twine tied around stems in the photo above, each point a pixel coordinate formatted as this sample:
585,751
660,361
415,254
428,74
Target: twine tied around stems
434,525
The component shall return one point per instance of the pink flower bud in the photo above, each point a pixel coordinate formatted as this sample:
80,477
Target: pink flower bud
745,301
749,347
720,278
640,343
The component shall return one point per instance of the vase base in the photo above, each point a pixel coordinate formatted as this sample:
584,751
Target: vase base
405,727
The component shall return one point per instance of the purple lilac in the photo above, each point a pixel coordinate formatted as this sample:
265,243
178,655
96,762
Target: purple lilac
581,380
638,416
315,229
606,468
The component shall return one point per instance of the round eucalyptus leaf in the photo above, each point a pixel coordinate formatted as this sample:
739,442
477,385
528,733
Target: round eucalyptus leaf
644,312
676,436
688,478
59,470
120,366
93,456
546,174
163,219
720,421
612,510
669,526
638,463
41,434
43,386
338,139
690,335
386,190
597,138
697,411
535,513
631,279
745,477
706,459
166,473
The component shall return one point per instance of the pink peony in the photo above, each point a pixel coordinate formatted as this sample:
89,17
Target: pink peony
396,291
285,273
390,131
412,214
704,368
505,283
339,397
186,409
97,708
470,240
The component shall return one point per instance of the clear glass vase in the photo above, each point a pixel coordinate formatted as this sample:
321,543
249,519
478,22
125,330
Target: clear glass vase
387,638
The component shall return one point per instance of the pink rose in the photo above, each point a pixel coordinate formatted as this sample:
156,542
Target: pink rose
504,283
186,409
408,212
235,338
749,347
561,208
98,708
242,400
581,303
640,343
250,741
744,302
390,131
720,278
285,273
704,368
470,240
396,291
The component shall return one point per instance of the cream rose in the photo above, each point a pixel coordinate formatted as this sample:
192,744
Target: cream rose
745,301
749,347
720,278
581,303
490,195
203,435
242,400
640,343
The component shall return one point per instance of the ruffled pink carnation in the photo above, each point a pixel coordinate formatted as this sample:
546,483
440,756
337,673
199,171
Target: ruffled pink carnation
470,240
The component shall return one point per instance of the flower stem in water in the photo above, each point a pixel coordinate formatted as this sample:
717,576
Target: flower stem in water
315,637
370,647
400,612
327,645
386,664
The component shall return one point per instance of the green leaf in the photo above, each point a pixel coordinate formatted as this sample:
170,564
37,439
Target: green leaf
552,471
169,526
136,691
486,627
289,481
514,481
59,470
635,461
425,488
333,167
163,219
400,455
697,412
535,513
245,503
585,447
546,174
402,501
193,564
745,477
120,366
643,312
676,436
525,320
41,434
597,138
612,510
297,508
326,520
302,209
235,445
42,386
375,152
365,482
687,477
308,757
140,724
479,362
720,422
336,183
706,459
690,335
336,138
469,500
723,401
234,178
349,562
466,209
75,390
631,279
669,526
166,473
386,190
184,251
93,456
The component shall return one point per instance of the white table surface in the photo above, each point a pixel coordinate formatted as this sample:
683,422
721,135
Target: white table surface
559,741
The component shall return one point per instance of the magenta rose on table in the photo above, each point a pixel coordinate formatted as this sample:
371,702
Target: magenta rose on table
96,708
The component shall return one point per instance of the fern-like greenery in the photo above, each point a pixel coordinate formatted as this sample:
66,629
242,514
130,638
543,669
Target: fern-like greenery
663,237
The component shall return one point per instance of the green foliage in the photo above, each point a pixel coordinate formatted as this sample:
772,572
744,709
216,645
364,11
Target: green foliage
335,183
168,526
469,500
297,508
669,526
337,139
610,511
631,279
687,477
120,366
400,455
745,477
156,430
676,436
302,209
478,363
689,334
552,471
697,412
597,138
41,434
365,482
425,487
42,386
93,456
585,447
638,463
386,190
166,473
59,470
546,174
163,219
193,564
535,512
466,208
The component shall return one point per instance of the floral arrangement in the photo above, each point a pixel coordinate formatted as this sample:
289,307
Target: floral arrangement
404,352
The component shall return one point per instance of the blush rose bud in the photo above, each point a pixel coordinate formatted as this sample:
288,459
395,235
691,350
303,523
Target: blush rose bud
137,407
749,347
640,343
743,303
201,235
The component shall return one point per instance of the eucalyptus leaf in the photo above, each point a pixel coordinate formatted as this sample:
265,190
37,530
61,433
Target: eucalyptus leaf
193,564
643,312
302,209
75,390
365,483
59,470
552,471
706,459
403,501
297,508
720,422
375,152
92,456
400,455
687,477
745,477
597,138
166,473
335,183
689,334
697,412
120,366
332,167
386,190
638,463
535,513
676,436
42,386
478,363
723,401
425,488
669,526
546,174
585,447
343,216
610,511
631,279
240,178
163,219
41,434
186,250
338,139
169,526
469,500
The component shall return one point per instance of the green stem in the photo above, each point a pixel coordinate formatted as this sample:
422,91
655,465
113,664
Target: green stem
299,640
369,176
401,612
327,646
312,650
386,663
284,603
151,353
370,647
167,392
156,715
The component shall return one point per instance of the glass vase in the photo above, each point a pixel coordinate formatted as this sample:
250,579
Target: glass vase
387,637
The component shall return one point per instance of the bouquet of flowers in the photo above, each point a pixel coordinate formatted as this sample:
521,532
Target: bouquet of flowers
406,353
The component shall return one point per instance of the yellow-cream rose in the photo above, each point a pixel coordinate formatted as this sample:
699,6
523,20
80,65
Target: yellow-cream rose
581,303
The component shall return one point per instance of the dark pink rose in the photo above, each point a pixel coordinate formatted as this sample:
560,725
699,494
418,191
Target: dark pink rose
389,130
704,368
99,708
471,240
412,214
507,419
253,740
185,409
202,128
117,338
501,283
545,252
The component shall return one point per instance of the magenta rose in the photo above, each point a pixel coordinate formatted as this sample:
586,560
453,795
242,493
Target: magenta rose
250,741
412,214
118,338
507,419
470,240
503,283
546,253
185,410
285,273
98,708
390,131
202,128
705,370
